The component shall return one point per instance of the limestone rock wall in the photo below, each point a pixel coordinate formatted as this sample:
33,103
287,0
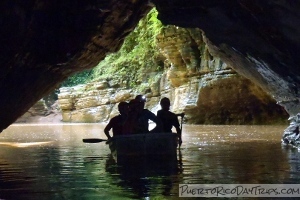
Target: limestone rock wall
94,102
202,86
207,89
257,38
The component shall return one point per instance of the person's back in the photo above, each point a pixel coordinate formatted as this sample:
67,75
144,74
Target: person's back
143,116
143,120
168,118
117,123
131,123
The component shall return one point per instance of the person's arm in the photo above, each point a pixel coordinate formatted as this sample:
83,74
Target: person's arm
178,131
157,121
107,129
177,127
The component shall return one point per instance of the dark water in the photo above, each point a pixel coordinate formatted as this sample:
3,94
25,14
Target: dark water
52,162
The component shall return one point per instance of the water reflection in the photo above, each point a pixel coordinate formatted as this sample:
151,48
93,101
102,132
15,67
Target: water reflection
51,162
24,144
142,175
293,155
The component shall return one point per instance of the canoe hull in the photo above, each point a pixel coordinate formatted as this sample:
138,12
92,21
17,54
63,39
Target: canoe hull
155,145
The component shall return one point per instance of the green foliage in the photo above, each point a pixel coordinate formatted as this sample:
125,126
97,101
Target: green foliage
138,57
78,78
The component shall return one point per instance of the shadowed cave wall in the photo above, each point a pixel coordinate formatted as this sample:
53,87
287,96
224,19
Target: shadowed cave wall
45,41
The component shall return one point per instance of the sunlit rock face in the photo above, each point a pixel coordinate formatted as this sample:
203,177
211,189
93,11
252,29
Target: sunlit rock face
93,102
258,39
207,89
44,41
233,100
202,86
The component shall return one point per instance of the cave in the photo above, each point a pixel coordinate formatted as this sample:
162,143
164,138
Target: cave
44,42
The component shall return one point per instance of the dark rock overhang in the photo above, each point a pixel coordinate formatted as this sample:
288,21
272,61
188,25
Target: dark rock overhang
44,41
259,39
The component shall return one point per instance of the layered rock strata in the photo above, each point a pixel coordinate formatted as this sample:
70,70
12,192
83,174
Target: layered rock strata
202,86
90,103
258,39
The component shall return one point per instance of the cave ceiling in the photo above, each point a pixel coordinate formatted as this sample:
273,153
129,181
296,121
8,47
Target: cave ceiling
45,41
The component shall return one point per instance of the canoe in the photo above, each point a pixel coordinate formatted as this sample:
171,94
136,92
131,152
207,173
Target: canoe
154,145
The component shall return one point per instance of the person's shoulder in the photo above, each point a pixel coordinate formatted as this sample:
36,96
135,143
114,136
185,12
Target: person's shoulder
169,113
163,112
147,111
115,118
172,115
159,111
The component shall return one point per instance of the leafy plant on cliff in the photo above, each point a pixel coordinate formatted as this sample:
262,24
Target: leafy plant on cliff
139,57
78,78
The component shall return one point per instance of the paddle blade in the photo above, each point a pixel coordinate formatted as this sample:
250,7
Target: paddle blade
93,140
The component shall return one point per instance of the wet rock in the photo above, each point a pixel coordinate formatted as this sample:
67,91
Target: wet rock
291,134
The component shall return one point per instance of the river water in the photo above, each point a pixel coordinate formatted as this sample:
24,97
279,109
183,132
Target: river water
51,162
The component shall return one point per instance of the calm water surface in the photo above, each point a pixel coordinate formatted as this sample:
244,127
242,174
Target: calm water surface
52,162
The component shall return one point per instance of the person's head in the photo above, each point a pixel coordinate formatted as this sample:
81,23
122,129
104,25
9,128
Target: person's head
123,108
133,104
141,101
141,98
165,103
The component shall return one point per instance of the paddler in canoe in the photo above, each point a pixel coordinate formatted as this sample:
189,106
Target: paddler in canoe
133,119
169,119
140,117
118,123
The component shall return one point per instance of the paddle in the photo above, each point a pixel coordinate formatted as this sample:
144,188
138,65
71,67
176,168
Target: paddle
93,140
181,115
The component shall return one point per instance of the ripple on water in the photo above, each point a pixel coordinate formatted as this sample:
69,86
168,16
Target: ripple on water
66,168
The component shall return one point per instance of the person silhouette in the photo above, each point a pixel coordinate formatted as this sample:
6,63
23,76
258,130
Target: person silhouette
144,115
118,123
169,119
